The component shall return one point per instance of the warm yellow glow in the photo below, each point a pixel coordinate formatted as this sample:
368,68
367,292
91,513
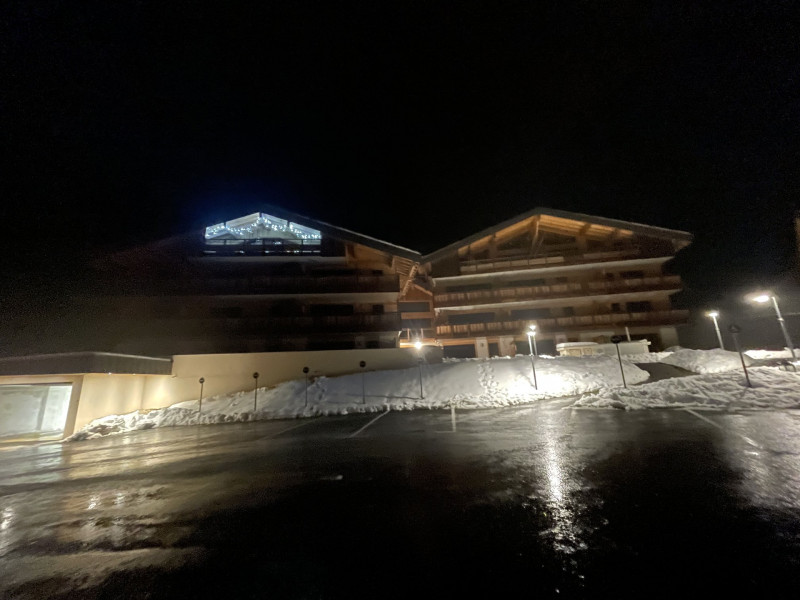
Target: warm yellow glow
417,344
761,298
713,314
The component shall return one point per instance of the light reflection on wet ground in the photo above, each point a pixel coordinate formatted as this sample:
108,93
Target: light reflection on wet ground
559,502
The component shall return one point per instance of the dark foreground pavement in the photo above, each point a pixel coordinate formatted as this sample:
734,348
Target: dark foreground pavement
529,502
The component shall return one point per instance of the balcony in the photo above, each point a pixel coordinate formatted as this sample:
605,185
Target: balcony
652,318
489,265
254,326
561,290
268,284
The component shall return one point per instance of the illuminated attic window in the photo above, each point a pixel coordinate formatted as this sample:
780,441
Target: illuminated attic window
264,233
260,228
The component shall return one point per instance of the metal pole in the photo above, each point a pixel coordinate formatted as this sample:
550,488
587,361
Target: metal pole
305,375
363,364
783,327
202,380
535,349
419,366
735,333
533,366
255,393
621,370
719,335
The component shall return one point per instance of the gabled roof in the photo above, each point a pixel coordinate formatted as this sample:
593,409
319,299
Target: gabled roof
341,233
681,237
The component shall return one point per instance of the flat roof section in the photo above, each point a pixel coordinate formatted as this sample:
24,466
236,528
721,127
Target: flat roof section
84,362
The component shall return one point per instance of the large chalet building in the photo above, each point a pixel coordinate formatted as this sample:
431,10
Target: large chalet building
278,281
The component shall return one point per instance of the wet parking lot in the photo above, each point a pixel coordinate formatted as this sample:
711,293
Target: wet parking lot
535,501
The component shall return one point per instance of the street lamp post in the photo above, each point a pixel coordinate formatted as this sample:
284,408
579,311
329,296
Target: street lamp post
714,314
531,333
420,360
764,298
201,381
255,393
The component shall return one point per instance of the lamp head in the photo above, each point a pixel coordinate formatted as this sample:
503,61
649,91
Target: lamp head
713,314
417,344
761,298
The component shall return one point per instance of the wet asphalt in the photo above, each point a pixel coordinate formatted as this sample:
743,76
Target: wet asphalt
538,501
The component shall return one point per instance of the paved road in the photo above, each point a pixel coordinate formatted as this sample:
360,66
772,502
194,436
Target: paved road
539,502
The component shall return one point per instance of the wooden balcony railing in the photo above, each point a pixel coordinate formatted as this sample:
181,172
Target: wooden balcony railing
510,264
561,290
657,317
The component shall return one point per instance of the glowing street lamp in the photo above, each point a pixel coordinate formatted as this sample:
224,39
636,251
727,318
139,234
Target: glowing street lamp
763,298
531,333
714,314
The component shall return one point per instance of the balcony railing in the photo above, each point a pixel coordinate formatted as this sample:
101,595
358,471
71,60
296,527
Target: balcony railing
510,264
561,290
272,325
657,317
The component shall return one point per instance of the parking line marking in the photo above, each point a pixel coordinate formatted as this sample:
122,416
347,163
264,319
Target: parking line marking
383,414
276,434
718,426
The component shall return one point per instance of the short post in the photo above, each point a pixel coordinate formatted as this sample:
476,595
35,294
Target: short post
202,380
305,375
363,364
531,333
616,339
255,393
420,360
453,415
735,329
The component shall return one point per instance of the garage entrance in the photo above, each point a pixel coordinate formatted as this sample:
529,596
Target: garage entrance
33,409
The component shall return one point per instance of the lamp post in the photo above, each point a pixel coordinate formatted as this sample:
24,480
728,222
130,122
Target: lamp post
363,364
305,376
714,314
531,333
616,339
763,299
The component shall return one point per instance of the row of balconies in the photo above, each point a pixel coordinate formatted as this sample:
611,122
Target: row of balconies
263,325
487,265
269,284
651,318
560,290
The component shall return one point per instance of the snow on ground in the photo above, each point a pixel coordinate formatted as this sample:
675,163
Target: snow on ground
767,354
705,361
465,383
772,388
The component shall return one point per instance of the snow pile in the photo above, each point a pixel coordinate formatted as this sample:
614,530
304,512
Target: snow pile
705,361
646,357
772,388
464,383
768,354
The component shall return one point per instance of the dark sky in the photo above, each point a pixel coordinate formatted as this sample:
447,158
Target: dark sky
415,122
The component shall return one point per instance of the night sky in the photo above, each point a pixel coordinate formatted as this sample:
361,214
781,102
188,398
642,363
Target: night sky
414,122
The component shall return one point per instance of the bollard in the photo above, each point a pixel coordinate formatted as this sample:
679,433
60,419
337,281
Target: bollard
305,374
202,380
616,339
362,364
255,394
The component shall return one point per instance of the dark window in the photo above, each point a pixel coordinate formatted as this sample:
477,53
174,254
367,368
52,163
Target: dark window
632,274
569,311
465,351
643,306
377,272
378,309
494,349
562,280
616,307
457,319
469,288
413,306
527,282
329,310
416,324
230,312
373,343
530,313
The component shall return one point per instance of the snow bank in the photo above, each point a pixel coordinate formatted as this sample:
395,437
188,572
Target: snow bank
772,388
705,361
465,383
647,357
